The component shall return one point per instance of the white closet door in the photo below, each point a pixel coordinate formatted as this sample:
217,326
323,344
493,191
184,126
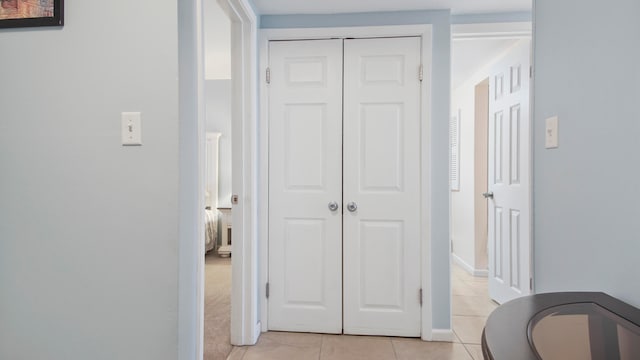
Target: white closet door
305,176
382,177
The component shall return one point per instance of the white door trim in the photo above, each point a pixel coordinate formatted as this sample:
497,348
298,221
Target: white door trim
245,327
191,181
425,32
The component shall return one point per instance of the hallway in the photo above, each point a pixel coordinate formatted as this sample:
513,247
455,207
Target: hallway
471,306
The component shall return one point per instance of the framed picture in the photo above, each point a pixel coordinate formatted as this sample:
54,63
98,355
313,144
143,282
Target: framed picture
29,13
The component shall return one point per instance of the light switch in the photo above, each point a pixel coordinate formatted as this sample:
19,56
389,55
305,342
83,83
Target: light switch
131,128
551,133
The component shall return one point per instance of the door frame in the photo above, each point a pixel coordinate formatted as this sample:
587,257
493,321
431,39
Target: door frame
423,31
516,31
245,327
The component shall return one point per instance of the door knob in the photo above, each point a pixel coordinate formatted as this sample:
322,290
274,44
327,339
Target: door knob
352,206
333,206
488,195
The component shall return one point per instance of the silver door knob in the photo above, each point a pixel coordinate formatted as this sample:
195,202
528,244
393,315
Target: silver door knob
352,206
333,206
488,195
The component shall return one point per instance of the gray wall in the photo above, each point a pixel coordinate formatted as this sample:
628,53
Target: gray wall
89,228
586,193
440,256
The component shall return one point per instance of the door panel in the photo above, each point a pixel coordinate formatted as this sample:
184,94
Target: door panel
382,176
509,164
305,175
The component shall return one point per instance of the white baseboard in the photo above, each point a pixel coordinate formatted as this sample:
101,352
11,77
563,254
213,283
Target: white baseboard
481,273
442,335
468,268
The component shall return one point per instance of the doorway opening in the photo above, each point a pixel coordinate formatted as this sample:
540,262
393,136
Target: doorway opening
218,181
489,147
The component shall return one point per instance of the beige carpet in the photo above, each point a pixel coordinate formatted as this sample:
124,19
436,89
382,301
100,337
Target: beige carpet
217,307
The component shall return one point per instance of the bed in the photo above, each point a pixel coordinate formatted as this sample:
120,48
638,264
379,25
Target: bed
211,214
210,229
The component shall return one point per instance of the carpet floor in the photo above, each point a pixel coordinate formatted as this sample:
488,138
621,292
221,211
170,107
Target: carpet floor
217,307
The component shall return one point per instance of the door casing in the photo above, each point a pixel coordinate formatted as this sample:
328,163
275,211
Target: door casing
425,32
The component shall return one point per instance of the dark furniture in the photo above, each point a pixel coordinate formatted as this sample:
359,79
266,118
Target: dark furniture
566,325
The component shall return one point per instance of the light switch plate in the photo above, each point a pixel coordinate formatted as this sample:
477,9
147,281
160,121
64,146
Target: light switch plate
551,133
131,128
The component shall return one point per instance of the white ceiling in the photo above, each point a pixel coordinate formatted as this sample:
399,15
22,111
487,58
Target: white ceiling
469,56
268,7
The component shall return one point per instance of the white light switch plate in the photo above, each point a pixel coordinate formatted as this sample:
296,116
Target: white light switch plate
131,128
551,133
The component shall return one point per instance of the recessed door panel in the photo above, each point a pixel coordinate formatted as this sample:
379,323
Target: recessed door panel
304,240
382,70
381,269
381,165
305,145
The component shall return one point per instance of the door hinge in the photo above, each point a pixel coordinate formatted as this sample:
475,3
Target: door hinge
420,72
530,283
266,291
268,75
530,71
420,297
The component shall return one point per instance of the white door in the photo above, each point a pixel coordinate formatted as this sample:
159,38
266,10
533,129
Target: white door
509,181
377,137
305,176
382,179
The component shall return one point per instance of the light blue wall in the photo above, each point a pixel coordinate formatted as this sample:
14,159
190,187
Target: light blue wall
89,228
586,192
521,16
439,128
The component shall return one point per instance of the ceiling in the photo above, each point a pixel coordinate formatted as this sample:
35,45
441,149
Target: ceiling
270,7
468,57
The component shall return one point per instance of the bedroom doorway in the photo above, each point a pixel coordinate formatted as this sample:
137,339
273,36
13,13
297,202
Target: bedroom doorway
218,181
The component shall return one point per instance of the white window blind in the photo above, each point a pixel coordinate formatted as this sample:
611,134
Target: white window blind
454,140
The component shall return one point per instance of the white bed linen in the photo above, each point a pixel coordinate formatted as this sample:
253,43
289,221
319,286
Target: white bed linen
210,229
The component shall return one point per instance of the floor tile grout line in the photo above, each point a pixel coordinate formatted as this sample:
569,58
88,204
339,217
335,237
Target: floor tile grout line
321,344
468,352
393,346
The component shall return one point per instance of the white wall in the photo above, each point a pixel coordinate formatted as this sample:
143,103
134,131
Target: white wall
218,110
462,201
89,228
586,194
217,41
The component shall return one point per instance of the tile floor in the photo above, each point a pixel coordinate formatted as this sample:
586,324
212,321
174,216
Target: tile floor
470,304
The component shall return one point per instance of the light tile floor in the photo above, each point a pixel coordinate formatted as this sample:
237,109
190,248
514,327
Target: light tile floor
470,306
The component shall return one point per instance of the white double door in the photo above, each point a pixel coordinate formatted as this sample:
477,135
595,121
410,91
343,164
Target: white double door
344,186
